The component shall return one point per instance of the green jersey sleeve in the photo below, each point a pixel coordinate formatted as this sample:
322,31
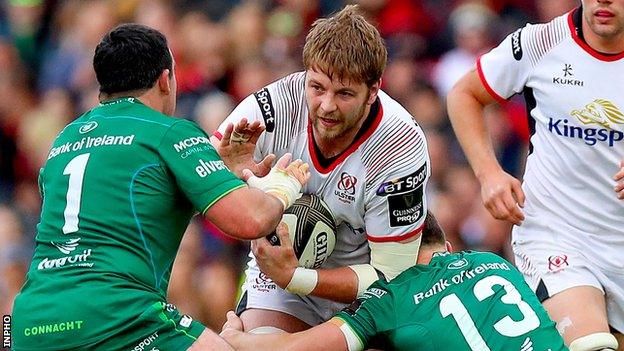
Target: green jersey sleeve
196,165
368,316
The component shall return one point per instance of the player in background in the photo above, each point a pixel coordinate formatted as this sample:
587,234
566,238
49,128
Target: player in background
568,237
119,187
369,163
479,301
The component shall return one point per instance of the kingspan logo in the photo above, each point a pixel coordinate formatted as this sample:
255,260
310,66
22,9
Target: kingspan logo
600,112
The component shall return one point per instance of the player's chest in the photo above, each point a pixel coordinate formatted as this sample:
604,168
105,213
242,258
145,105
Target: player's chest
571,88
342,185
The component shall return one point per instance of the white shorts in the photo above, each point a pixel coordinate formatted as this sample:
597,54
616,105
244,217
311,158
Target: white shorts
259,291
551,264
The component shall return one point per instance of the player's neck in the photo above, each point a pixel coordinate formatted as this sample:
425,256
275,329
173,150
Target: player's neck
104,97
147,97
333,147
426,253
604,44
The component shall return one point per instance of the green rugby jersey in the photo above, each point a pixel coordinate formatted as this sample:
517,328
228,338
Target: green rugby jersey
462,301
119,187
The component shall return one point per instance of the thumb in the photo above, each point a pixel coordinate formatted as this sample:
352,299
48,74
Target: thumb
283,232
517,189
283,162
233,322
265,165
247,174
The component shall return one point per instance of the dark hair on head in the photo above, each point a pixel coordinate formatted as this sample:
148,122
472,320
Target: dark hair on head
432,232
131,57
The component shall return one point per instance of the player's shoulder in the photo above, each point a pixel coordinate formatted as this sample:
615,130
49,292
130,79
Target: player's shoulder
283,107
536,40
479,261
481,256
285,89
395,120
397,145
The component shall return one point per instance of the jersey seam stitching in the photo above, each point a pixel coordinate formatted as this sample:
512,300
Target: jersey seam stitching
138,223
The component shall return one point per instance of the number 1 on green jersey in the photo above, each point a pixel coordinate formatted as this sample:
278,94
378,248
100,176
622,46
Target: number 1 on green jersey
75,169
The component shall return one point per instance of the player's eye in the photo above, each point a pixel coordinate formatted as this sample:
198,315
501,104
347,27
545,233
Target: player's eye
346,94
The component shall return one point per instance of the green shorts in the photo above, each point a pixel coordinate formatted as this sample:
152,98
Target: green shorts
160,328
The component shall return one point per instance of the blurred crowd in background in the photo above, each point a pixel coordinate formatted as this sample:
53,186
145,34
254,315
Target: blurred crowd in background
226,50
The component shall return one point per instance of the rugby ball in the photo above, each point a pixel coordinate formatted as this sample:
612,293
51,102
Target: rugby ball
312,230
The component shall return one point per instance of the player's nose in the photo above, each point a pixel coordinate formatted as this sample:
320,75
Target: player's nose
327,104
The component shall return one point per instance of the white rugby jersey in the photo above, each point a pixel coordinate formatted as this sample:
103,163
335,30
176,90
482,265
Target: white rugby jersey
375,189
576,118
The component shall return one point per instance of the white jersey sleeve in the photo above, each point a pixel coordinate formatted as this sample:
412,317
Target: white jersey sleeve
398,167
506,69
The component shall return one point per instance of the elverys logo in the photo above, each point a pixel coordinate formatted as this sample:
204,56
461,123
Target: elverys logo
87,127
601,112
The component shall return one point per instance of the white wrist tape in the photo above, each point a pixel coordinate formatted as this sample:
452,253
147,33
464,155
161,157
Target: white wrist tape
596,341
278,183
366,274
267,329
303,281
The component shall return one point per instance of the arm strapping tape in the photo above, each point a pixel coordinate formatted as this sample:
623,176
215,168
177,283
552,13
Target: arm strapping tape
366,274
392,258
278,183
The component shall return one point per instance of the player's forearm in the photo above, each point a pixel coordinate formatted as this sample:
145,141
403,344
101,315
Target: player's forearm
246,213
466,114
326,336
337,284
254,342
262,213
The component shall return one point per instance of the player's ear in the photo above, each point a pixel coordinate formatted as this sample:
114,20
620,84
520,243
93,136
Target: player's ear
164,83
449,247
372,92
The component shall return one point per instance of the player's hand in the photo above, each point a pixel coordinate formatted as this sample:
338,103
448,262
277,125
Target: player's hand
284,181
296,169
237,146
233,322
277,262
232,330
619,178
502,195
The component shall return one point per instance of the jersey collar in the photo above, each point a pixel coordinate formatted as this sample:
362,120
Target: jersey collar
576,29
130,99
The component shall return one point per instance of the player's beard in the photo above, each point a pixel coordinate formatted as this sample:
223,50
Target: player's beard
345,126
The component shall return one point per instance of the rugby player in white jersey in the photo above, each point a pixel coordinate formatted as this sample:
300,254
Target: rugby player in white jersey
568,237
369,162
